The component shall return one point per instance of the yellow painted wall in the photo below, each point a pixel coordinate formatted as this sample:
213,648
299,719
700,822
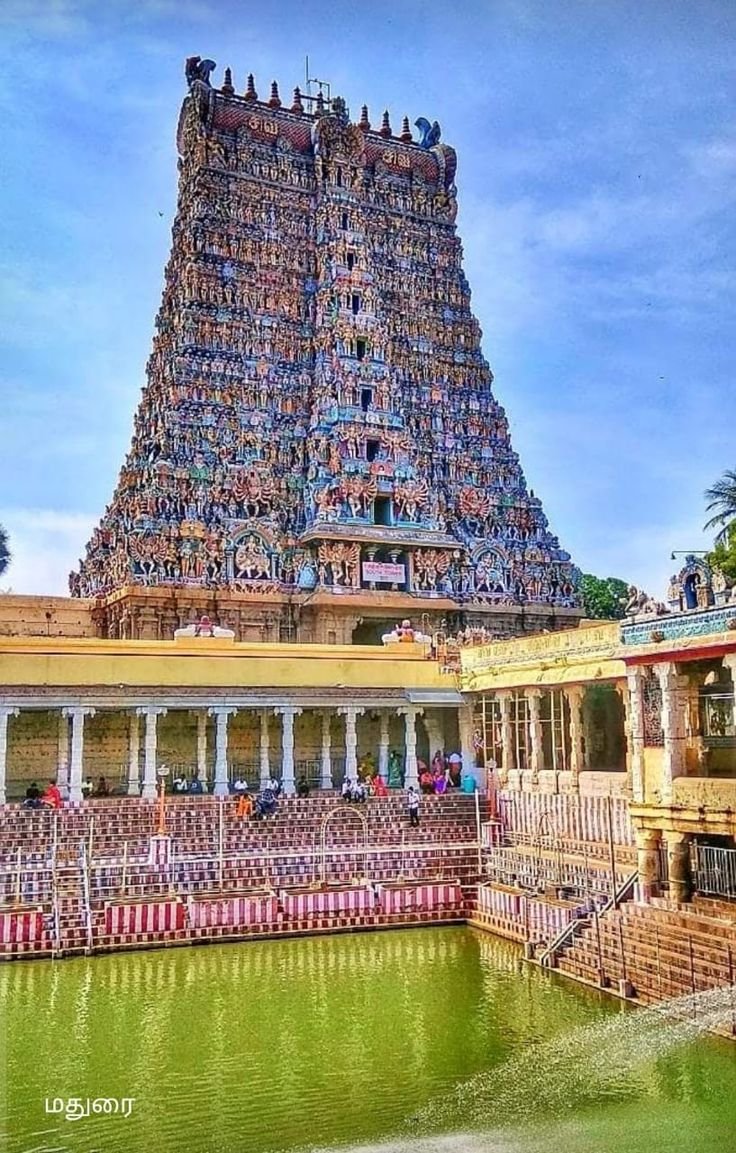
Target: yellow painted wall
201,663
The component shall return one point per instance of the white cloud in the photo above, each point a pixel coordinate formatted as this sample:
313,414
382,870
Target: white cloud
45,546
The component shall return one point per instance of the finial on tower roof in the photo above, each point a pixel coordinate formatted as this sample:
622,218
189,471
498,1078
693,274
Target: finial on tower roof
227,84
320,104
275,101
250,91
406,135
385,125
364,122
297,106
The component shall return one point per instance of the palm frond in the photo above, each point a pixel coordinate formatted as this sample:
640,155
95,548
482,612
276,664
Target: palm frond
721,498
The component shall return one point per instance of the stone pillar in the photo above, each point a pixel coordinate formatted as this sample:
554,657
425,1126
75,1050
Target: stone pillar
635,730
221,713
623,691
647,862
536,750
5,712
351,714
62,756
465,727
678,864
76,764
134,744
287,713
729,662
673,727
326,755
151,713
574,695
383,746
265,764
435,734
202,748
508,748
411,774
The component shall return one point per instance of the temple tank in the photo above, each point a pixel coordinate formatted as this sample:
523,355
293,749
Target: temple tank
412,1041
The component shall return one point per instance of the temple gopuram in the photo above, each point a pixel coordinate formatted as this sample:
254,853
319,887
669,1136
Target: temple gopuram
318,452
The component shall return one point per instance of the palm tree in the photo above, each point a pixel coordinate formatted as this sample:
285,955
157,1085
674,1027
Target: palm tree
4,550
722,503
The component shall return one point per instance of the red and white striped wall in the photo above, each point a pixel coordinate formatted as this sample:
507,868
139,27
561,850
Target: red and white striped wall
326,902
21,927
232,912
568,815
421,898
144,917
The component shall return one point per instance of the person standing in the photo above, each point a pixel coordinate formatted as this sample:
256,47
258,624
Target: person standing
412,804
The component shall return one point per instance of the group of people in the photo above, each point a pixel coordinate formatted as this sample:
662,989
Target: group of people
51,797
182,784
363,787
263,804
445,772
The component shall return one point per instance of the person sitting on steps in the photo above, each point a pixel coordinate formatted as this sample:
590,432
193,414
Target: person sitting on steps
33,797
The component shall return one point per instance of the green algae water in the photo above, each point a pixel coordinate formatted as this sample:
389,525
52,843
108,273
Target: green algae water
421,1041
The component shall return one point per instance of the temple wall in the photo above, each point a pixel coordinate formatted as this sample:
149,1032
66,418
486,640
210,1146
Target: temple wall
33,747
29,616
106,746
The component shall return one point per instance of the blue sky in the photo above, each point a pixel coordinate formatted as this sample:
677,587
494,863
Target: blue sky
597,180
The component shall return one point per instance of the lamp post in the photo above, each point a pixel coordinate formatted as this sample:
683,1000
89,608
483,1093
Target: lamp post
162,772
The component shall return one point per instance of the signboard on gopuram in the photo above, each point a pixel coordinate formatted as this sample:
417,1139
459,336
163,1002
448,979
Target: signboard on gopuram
382,572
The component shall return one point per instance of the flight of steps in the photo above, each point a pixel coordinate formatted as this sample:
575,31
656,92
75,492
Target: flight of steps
656,951
371,840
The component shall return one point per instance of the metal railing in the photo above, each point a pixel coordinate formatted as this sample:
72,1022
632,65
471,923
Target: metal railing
713,870
84,867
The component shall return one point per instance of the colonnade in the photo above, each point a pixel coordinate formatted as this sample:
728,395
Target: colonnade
143,733
515,709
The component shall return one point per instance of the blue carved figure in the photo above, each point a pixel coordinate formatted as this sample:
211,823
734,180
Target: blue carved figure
199,69
430,132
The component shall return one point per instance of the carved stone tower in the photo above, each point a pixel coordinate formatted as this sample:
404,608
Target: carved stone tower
318,451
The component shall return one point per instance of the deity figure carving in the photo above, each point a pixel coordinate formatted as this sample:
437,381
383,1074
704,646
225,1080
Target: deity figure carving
251,560
411,498
339,564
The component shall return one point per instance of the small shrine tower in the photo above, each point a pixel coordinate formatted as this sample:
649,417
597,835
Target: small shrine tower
318,451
